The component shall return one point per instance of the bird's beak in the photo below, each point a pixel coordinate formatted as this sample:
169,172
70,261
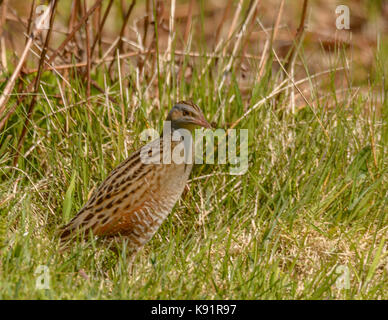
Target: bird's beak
203,123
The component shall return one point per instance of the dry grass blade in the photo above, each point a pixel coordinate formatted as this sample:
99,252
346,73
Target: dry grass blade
298,38
236,47
171,35
30,18
3,14
232,28
269,44
101,27
119,45
11,82
88,53
73,32
222,22
186,34
40,26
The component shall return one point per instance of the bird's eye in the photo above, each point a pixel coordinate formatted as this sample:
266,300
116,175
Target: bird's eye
186,113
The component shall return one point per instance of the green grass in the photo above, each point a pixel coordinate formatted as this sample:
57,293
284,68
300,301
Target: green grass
314,197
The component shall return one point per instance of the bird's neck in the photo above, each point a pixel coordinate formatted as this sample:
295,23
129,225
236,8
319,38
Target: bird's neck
175,127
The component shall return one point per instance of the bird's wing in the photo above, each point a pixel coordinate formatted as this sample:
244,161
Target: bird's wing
123,191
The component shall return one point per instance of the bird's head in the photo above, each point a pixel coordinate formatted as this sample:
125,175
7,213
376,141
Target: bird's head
186,115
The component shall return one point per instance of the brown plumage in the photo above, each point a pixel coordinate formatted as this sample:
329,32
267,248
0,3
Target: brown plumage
136,197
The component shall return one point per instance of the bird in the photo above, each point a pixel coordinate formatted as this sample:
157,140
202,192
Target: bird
137,196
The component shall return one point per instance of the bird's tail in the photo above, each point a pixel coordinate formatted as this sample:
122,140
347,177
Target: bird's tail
80,226
65,234
70,230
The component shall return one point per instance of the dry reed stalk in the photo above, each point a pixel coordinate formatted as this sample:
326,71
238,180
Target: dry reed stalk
3,15
298,38
171,36
186,35
73,31
98,36
268,48
146,52
119,45
232,28
243,29
88,55
51,11
11,82
289,64
30,18
146,22
224,16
